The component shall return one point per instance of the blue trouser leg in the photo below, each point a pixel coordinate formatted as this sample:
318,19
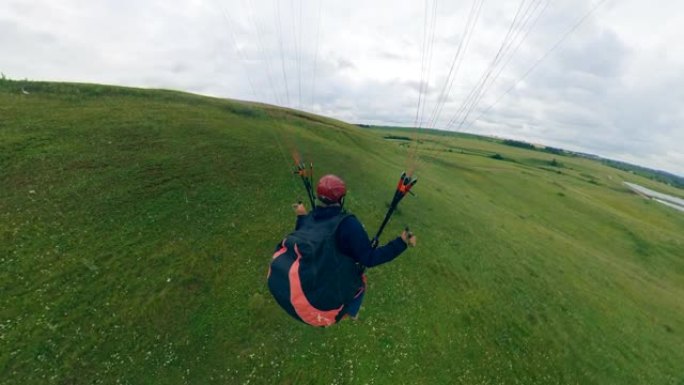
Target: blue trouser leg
355,305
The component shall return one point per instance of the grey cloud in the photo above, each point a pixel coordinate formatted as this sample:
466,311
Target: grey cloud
392,56
603,56
343,64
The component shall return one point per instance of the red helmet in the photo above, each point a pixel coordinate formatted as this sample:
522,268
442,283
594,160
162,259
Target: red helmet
331,189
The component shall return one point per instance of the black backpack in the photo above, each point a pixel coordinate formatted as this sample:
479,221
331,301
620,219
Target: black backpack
309,276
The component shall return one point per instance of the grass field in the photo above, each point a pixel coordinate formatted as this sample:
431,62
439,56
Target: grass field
136,228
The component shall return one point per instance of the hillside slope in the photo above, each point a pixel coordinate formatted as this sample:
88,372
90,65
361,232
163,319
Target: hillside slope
137,227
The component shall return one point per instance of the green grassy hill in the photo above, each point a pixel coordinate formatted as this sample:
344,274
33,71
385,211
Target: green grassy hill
136,228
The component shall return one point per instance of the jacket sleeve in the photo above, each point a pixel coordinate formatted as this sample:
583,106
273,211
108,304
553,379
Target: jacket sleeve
353,241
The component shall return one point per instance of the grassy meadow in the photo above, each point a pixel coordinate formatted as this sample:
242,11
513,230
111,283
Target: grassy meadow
136,228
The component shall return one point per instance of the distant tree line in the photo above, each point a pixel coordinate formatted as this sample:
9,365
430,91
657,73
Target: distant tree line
518,143
554,150
397,137
661,176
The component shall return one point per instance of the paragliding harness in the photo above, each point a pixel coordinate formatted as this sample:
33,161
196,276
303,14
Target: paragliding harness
309,277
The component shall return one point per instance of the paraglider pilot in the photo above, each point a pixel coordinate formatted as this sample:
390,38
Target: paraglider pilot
316,273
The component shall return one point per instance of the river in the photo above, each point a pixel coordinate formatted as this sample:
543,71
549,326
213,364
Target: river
669,200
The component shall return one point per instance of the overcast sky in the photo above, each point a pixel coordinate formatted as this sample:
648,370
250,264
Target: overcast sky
613,85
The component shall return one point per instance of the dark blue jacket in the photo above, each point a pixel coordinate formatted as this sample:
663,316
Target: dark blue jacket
353,241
